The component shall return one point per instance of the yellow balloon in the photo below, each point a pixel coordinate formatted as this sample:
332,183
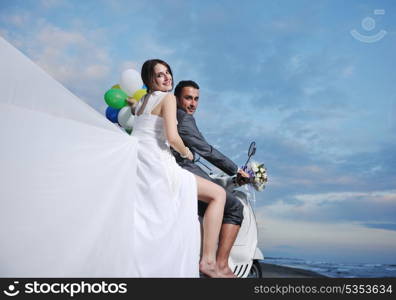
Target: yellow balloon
116,86
139,94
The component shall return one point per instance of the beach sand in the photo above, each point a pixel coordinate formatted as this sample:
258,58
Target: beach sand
276,271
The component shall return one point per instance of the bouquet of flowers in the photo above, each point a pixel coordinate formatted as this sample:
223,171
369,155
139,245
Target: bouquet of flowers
258,175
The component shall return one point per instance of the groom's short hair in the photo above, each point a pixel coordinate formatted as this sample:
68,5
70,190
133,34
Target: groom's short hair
185,83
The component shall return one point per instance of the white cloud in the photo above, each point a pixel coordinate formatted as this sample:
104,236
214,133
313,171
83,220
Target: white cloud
326,240
326,205
70,56
51,35
311,176
375,196
96,71
78,57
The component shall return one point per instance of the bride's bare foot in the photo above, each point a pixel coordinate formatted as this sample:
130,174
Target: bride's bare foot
225,272
208,269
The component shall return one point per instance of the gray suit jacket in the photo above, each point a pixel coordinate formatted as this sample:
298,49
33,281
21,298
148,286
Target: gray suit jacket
194,140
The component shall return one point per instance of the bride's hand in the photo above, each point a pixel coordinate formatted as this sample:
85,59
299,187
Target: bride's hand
187,155
131,101
190,156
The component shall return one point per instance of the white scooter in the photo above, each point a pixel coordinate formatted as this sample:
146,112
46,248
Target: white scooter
244,257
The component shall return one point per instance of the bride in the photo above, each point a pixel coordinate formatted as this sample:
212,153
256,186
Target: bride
166,236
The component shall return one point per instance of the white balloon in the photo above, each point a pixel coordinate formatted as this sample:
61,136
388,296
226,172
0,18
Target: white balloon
130,81
125,117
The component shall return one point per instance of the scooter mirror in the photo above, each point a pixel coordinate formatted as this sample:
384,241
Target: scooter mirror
252,149
251,152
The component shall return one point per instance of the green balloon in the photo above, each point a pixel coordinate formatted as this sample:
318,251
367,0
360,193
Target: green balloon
116,98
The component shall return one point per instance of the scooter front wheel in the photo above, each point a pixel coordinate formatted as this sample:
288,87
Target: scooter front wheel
255,270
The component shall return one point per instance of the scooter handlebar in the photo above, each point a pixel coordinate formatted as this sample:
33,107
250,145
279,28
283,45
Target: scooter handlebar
241,180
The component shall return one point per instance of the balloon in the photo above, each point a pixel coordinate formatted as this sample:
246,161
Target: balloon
115,98
125,118
112,114
139,94
116,86
130,81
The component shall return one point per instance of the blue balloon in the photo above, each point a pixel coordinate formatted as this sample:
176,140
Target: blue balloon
112,114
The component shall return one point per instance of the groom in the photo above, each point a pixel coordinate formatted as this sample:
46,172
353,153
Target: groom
187,96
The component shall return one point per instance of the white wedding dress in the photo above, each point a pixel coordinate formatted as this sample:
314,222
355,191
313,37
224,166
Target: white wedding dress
166,236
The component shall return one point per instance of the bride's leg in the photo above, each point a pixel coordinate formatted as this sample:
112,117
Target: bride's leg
214,195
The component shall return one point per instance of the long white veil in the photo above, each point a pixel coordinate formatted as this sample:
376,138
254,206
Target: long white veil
66,174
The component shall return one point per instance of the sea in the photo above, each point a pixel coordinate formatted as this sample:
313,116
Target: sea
337,270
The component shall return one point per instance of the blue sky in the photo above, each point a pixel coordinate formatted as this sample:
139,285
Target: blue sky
320,104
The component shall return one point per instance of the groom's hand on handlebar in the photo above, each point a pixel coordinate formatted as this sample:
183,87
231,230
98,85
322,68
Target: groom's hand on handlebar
242,177
243,173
